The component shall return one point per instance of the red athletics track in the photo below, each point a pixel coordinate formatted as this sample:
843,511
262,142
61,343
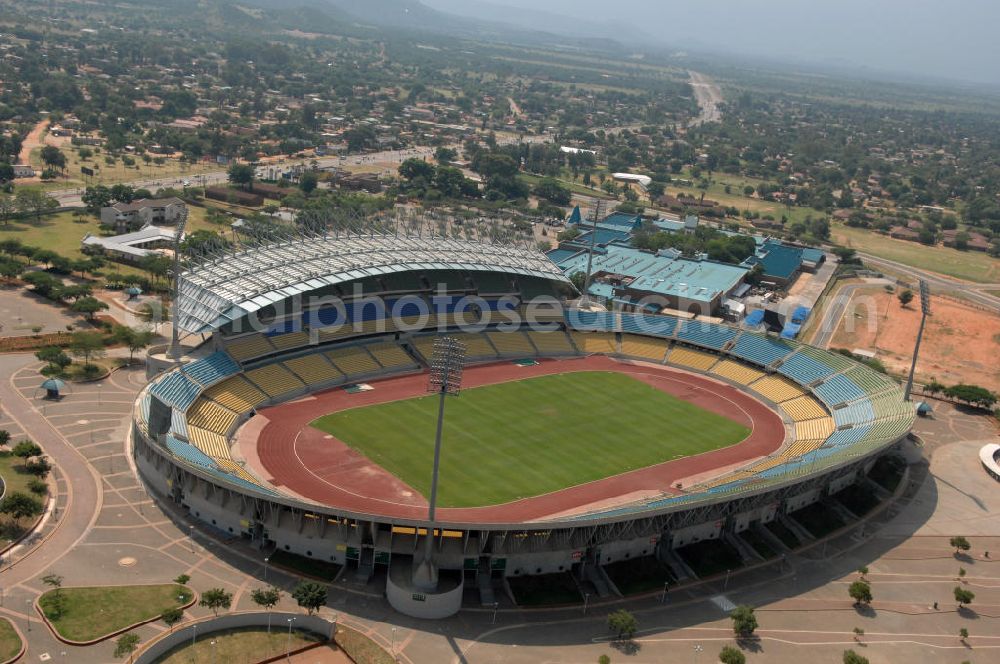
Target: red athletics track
312,464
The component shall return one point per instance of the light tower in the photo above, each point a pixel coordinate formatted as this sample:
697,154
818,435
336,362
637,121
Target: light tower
585,299
925,310
447,364
175,352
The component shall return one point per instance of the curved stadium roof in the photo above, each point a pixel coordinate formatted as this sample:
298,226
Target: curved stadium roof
227,288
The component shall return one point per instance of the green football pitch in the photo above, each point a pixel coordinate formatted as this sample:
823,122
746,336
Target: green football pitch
528,437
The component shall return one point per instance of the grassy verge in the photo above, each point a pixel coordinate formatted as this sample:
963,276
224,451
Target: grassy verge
710,557
360,648
95,612
10,643
252,644
319,569
639,574
969,265
16,479
545,589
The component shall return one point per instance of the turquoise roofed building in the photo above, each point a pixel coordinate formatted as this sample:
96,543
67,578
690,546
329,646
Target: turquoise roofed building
640,280
781,263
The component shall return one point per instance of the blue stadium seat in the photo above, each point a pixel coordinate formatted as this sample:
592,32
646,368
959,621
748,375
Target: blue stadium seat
859,412
838,389
178,424
804,369
176,389
590,320
759,349
708,335
189,453
210,370
661,326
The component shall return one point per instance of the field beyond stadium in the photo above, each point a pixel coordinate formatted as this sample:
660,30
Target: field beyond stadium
558,444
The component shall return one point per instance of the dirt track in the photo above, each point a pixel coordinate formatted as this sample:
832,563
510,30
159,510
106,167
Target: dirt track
316,466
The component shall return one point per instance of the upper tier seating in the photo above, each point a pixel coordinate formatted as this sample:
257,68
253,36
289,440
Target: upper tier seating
209,415
248,347
737,371
859,412
759,349
591,320
689,357
872,382
289,340
661,326
706,334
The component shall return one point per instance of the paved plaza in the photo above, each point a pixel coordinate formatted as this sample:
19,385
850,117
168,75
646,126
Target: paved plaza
104,529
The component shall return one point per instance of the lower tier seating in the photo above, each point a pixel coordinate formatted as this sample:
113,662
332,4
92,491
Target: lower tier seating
694,359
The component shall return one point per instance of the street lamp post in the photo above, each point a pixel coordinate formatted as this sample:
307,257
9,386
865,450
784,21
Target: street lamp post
447,363
663,597
586,602
191,532
496,605
266,559
288,641
392,650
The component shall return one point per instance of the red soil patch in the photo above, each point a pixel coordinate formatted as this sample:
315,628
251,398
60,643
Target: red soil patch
318,467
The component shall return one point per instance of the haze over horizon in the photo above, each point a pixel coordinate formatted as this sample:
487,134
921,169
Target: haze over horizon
920,38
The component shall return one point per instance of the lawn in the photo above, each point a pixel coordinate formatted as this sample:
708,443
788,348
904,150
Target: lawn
107,174
524,438
969,265
248,645
10,644
91,613
360,648
16,479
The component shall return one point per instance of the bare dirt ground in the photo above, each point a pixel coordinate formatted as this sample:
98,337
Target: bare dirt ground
34,139
960,343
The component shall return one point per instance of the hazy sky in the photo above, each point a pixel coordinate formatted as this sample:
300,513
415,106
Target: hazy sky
956,39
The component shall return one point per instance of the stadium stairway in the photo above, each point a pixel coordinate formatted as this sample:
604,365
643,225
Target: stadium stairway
771,538
747,553
797,528
680,568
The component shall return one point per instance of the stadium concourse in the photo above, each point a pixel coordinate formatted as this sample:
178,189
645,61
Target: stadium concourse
301,317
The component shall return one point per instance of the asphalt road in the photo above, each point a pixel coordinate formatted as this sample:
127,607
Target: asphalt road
970,291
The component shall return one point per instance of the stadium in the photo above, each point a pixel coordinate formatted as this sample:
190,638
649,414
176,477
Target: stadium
581,438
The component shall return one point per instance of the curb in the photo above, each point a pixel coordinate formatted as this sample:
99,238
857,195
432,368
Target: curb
24,642
71,642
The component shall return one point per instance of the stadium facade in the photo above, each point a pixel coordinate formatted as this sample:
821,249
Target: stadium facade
295,317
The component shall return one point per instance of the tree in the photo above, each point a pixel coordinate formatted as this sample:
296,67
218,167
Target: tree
963,634
858,633
242,175
414,168
443,155
34,202
55,357
157,265
863,571
18,505
56,603
623,623
553,191
744,621
964,596
154,313
182,579
971,394
4,437
905,297
731,655
860,592
959,543
603,659
126,645
266,597
122,193
851,657
132,338
310,595
308,182
54,157
88,306
88,345
8,208
96,198
26,449
172,616
215,599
